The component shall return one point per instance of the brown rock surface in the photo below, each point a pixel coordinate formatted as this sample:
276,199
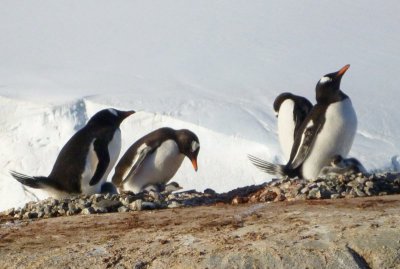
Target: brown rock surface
342,233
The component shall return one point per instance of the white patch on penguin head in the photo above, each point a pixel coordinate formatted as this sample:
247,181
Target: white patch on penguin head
325,79
194,146
113,111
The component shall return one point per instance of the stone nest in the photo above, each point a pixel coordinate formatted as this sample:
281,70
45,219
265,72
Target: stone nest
342,186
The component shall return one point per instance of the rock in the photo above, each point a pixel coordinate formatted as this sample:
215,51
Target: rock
136,205
359,192
369,184
10,212
123,209
88,211
175,204
148,205
361,180
30,215
140,265
100,210
209,191
313,193
110,205
323,194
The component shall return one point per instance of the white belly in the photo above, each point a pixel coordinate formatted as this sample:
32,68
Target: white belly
286,125
336,137
114,148
158,167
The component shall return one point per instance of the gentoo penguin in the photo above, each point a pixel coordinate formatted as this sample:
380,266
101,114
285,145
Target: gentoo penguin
341,166
291,110
155,158
86,159
168,188
328,130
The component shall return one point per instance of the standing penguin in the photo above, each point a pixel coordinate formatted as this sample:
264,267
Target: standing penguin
327,131
291,110
155,158
86,159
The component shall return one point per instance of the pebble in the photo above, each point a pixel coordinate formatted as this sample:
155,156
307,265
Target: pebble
174,204
88,211
332,187
123,209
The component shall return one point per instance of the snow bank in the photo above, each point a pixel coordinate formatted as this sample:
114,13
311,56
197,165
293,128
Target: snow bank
214,67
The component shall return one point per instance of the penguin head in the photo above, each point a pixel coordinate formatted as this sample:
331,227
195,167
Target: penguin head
109,117
189,145
328,87
336,160
280,99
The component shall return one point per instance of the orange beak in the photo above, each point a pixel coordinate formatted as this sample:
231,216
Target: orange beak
194,163
343,70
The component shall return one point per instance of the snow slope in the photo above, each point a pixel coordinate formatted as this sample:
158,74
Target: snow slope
214,67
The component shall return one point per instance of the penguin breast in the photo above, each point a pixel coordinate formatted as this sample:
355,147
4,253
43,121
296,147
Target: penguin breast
286,126
335,138
92,160
158,167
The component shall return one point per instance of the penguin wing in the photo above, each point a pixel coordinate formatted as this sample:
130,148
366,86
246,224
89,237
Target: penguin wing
101,149
301,110
304,140
138,161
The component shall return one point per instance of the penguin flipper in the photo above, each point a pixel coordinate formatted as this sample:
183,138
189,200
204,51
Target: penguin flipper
139,158
301,110
101,149
304,141
35,182
267,167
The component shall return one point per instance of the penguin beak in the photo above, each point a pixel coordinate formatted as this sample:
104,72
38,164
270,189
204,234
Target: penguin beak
194,163
126,114
342,70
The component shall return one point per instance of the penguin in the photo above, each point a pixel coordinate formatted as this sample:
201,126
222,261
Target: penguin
160,187
291,110
155,158
328,130
341,166
85,160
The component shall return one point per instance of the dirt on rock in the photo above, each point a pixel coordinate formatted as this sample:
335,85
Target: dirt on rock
342,233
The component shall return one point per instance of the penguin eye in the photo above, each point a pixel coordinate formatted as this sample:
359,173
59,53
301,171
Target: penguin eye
325,80
194,146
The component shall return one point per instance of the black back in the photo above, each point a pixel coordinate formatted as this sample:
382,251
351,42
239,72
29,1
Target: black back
183,138
327,92
71,161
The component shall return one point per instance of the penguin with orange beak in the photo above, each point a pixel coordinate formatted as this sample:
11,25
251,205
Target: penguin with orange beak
155,158
327,131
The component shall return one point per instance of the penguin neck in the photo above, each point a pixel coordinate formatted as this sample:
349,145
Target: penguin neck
337,97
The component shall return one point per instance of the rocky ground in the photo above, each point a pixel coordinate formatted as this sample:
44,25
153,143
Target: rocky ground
238,229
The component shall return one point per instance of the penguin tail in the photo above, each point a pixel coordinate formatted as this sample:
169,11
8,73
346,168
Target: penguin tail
33,182
267,167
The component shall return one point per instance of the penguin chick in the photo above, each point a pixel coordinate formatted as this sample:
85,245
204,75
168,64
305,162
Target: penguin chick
341,166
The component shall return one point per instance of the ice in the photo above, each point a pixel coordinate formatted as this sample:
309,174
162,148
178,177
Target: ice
213,67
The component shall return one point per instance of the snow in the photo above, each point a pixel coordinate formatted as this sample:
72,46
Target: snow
213,67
